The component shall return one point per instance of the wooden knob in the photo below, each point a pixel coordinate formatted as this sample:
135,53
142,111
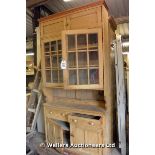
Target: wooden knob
62,114
51,112
75,120
71,135
91,123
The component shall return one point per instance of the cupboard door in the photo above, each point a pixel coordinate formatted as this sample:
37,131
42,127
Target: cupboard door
82,50
53,28
52,57
54,133
88,18
83,132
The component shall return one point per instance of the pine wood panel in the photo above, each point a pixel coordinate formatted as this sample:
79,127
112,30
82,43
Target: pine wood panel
68,108
83,95
53,28
90,19
54,133
82,132
109,91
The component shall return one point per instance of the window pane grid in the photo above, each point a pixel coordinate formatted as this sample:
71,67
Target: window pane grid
53,57
83,60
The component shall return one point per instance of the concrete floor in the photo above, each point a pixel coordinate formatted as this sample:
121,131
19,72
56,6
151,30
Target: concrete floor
35,144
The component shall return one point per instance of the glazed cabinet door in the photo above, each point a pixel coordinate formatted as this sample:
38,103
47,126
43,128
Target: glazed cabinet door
51,59
51,51
86,131
82,51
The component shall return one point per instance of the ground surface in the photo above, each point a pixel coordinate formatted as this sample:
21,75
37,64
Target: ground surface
35,143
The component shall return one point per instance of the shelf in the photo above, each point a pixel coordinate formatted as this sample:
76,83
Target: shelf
81,108
30,73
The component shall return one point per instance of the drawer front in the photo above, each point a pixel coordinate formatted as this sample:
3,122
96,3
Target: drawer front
56,114
90,124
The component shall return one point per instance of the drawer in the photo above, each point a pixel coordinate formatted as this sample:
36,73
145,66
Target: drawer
86,121
57,114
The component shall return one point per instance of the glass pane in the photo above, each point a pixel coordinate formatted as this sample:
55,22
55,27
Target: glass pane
72,60
59,60
83,76
55,76
82,59
61,76
48,76
54,61
53,46
94,76
59,45
92,40
47,61
72,77
47,47
93,58
81,41
71,42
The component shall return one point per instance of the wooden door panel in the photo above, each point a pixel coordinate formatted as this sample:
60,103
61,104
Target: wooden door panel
53,28
89,18
81,133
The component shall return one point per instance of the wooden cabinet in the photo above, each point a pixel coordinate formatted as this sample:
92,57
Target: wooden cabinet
69,125
86,129
82,50
81,37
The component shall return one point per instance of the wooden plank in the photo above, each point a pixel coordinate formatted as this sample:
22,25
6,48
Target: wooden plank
70,93
90,95
31,110
36,113
38,45
30,153
32,100
108,80
121,97
74,108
